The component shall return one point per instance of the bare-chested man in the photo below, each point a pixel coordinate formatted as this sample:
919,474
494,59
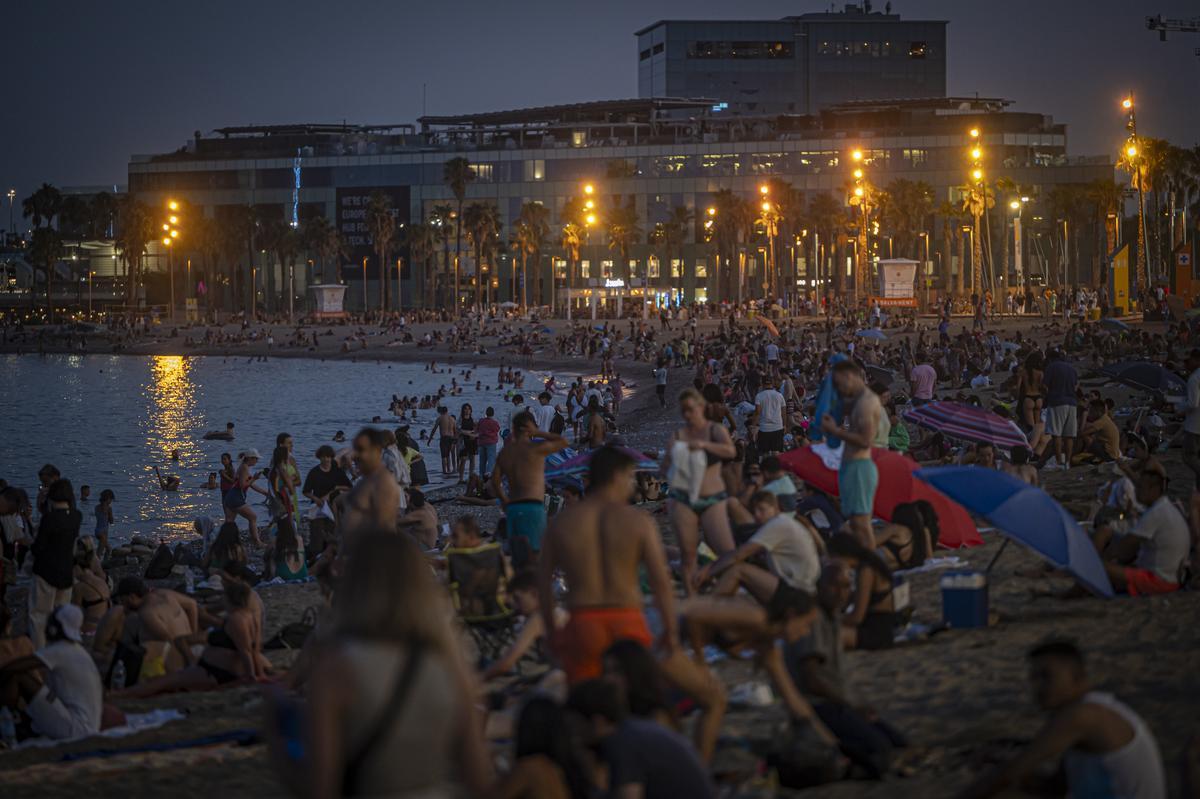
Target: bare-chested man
599,543
858,478
158,620
447,430
523,463
373,500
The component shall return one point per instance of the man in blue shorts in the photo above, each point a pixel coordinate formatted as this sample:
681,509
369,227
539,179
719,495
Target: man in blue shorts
857,478
522,463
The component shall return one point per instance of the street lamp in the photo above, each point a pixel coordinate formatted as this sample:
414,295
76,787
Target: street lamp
172,233
861,197
12,193
1136,165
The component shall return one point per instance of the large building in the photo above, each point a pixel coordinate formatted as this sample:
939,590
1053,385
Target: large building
795,65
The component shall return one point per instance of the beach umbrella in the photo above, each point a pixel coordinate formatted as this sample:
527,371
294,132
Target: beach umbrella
877,374
1115,325
508,304
871,332
580,462
547,330
959,420
1025,514
896,487
1146,376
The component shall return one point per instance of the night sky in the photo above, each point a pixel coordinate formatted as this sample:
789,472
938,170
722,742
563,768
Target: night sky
88,83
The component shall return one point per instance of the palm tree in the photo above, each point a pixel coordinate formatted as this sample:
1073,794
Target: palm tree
101,211
381,222
668,238
317,233
442,218
532,229
421,238
952,217
734,221
136,231
978,199
45,248
826,215
207,234
623,229
456,174
73,217
1107,198
42,206
272,235
482,221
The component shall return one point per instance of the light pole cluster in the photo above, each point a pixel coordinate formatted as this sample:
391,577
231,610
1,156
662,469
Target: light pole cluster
1136,161
976,201
170,228
861,198
770,218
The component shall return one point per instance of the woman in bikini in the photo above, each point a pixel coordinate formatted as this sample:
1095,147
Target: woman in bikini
91,592
1029,389
235,501
872,623
708,514
905,543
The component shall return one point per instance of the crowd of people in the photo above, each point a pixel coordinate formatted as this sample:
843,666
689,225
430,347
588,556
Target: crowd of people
618,613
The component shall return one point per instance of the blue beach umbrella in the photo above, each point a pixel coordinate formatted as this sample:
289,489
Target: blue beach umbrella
1115,325
1146,376
1025,514
871,332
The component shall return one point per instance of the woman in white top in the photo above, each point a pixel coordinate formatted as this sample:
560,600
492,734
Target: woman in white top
391,705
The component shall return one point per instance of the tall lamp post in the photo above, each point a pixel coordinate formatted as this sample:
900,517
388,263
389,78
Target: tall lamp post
170,234
1136,160
977,201
12,193
770,219
861,198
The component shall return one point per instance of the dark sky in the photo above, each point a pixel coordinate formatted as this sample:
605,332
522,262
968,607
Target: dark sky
91,82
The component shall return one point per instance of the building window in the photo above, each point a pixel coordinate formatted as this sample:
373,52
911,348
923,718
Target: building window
676,267
535,170
633,267
740,50
916,157
606,269
578,138
585,269
484,173
652,270
560,267
642,56
701,267
658,48
917,49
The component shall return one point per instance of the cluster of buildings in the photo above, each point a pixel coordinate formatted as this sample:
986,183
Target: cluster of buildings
721,105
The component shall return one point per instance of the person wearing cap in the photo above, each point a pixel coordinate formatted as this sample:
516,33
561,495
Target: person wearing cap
68,700
235,501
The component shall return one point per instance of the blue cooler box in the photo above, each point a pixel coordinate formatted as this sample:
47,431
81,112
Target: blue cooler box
965,599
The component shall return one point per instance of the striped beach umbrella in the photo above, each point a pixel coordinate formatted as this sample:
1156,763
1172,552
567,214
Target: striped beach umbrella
958,420
579,463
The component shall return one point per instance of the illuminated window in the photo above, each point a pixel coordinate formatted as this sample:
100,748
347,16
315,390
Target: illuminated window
560,267
578,138
484,173
652,269
585,269
633,267
676,267
701,267
535,170
917,49
606,269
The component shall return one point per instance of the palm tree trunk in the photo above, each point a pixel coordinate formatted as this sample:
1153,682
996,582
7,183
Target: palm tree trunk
960,278
458,256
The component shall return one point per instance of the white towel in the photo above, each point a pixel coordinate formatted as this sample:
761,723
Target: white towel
687,469
832,458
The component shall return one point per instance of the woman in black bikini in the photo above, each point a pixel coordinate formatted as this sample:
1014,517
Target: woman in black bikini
907,542
872,624
708,513
91,592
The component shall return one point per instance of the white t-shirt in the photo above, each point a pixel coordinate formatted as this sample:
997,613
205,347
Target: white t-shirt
543,415
791,552
1166,539
771,404
74,680
772,352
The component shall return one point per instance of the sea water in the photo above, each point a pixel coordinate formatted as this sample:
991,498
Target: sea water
107,420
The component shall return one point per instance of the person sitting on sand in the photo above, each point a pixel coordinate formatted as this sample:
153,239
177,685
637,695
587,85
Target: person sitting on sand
156,620
1020,467
420,520
286,560
1149,559
532,638
169,483
1106,748
872,623
91,592
815,663
227,556
220,435
233,651
59,684
791,548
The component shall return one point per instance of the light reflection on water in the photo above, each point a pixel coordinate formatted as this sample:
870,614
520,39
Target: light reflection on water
108,420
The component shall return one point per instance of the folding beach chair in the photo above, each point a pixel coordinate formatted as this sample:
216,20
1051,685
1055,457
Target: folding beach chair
478,586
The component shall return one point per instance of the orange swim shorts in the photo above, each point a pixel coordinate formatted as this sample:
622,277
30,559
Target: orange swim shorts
582,642
1143,582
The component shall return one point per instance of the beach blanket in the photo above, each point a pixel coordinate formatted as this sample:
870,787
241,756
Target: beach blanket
134,723
934,564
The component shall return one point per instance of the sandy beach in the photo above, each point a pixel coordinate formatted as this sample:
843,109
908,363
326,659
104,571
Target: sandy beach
961,696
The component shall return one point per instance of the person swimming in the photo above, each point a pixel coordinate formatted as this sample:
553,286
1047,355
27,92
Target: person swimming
220,435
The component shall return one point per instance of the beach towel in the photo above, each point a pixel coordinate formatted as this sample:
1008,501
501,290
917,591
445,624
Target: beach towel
687,469
934,564
831,458
134,723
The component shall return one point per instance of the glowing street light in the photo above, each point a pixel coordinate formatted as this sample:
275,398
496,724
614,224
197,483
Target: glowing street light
1131,151
858,173
712,211
174,234
1015,204
857,155
974,133
588,188
589,205
591,219
766,206
977,153
166,226
172,205
858,191
764,189
167,241
1127,103
977,174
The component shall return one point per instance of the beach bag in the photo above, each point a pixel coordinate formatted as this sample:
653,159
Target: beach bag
160,565
293,635
802,759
